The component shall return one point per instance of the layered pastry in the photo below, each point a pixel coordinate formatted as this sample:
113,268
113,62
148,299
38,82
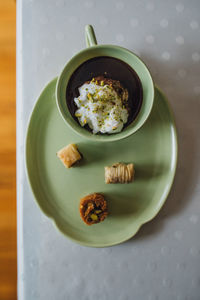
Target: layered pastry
119,173
69,155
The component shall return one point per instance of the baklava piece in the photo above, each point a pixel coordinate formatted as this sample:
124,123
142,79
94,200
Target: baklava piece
119,173
93,208
69,155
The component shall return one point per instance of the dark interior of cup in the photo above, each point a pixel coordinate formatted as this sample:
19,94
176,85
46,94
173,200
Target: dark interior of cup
108,67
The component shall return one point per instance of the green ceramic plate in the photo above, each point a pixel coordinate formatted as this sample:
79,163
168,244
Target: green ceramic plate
153,150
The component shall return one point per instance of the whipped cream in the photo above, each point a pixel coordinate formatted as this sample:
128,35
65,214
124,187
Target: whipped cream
101,108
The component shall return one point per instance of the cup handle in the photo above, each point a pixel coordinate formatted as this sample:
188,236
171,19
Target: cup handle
90,36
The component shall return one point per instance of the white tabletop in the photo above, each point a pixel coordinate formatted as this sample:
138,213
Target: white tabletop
163,260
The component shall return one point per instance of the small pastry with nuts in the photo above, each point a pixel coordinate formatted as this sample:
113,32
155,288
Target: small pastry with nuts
119,173
69,155
93,208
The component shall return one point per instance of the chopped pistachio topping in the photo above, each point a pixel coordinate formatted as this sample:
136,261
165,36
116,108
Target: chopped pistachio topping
94,217
101,107
77,115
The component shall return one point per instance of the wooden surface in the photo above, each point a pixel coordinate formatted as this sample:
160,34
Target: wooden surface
7,151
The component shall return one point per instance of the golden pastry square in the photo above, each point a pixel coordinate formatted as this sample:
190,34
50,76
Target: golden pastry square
69,155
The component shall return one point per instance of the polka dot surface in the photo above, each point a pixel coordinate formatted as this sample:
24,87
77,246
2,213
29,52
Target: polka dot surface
153,297
103,21
119,37
164,23
33,263
45,51
134,22
138,281
166,55
167,282
182,73
196,57
150,39
59,36
196,282
89,4
178,235
60,3
73,19
119,5
165,250
150,6
152,266
181,266
134,251
179,40
180,297
179,7
194,219
194,251
194,24
44,20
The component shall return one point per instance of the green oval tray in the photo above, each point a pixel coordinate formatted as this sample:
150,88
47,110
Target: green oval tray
153,150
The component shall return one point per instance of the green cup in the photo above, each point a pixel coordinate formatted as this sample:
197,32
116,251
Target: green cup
94,50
